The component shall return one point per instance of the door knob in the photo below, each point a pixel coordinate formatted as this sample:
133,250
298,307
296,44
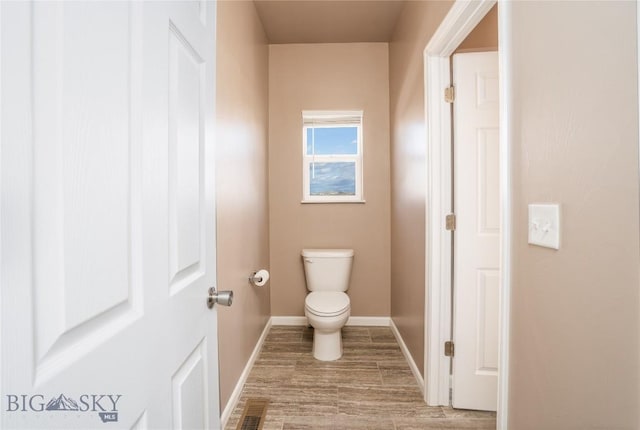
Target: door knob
224,298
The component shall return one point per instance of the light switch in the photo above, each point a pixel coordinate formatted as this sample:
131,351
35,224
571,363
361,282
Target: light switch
544,225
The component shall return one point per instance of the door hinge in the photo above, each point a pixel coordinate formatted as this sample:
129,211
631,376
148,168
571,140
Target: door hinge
449,94
449,349
450,222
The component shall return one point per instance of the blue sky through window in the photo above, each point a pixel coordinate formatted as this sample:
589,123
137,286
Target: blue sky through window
333,179
332,140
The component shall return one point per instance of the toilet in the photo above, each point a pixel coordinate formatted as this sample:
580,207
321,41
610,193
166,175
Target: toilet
327,306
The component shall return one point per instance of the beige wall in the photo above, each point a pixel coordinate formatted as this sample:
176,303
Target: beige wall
417,24
485,36
242,193
328,77
575,312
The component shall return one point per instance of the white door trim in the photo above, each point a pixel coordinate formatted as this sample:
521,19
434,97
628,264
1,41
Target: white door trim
506,197
459,22
438,252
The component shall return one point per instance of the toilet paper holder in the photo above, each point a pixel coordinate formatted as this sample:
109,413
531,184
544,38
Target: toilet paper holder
255,278
259,278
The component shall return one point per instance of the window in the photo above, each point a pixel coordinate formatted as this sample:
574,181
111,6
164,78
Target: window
332,156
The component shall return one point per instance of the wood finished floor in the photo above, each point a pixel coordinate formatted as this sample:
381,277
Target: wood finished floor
370,387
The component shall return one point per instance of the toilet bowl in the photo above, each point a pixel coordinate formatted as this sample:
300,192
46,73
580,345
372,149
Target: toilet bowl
327,313
327,306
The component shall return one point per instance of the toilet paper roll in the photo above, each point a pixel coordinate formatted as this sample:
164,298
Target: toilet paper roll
260,277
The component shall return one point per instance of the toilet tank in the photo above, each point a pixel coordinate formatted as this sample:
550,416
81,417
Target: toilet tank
327,269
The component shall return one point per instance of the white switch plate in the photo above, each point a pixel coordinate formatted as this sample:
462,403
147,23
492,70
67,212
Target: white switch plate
544,225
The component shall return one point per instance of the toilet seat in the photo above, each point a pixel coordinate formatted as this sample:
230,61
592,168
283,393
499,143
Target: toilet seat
327,303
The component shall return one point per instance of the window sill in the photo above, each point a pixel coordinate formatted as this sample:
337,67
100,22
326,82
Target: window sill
305,202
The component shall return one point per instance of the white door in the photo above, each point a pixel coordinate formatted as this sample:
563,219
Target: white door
107,215
477,234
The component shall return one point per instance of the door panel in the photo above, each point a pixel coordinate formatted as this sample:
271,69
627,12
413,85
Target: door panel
477,235
108,215
186,72
487,328
84,291
488,181
190,392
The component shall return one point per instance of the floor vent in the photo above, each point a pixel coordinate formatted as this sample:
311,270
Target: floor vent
254,414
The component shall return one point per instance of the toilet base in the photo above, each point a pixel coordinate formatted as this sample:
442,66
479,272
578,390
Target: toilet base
327,335
327,346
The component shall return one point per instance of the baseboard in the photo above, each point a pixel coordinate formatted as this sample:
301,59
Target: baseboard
412,364
288,320
361,321
237,391
369,321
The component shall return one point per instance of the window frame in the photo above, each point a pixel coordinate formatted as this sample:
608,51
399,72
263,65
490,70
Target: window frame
332,119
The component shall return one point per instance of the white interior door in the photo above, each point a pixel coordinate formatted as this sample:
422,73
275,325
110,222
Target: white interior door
107,215
477,235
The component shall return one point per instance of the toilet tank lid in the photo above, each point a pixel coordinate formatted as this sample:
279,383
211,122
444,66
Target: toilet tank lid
327,253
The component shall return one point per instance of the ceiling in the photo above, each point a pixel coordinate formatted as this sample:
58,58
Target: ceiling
328,21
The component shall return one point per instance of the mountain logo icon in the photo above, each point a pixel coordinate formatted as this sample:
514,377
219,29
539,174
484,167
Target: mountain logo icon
62,403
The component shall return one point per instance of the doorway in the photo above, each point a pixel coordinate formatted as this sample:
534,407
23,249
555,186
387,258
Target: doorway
457,25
